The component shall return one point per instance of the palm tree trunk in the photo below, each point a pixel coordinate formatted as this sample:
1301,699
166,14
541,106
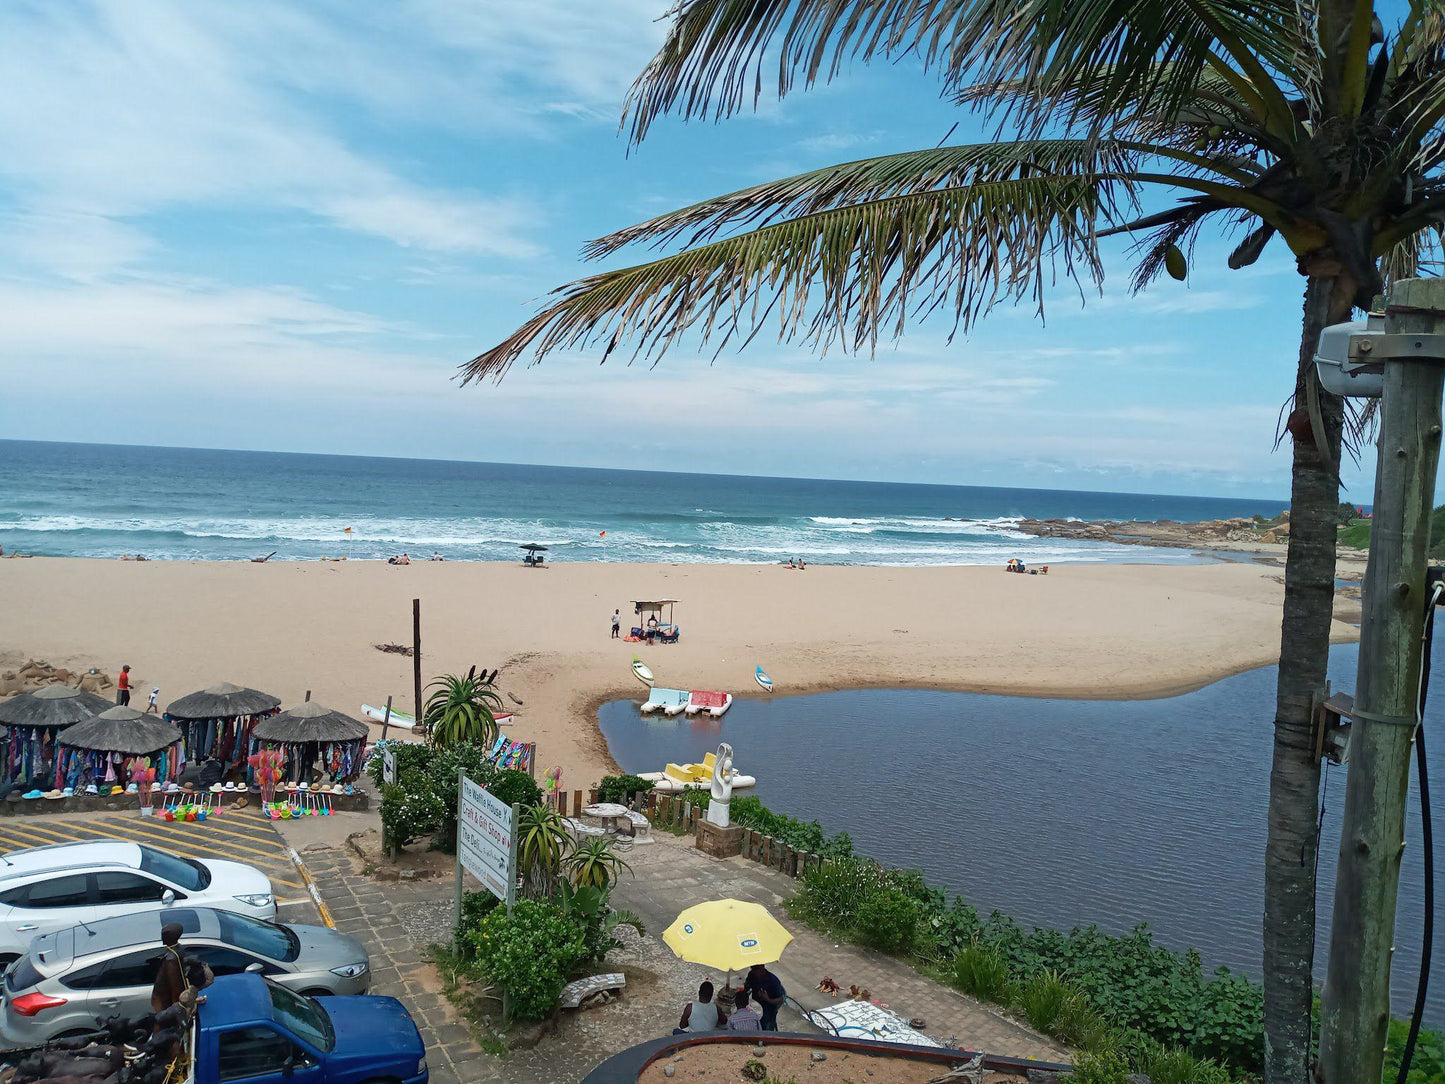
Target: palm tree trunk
1309,590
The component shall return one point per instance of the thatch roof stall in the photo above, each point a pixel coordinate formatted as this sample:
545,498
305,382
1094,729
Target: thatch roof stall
33,720
54,707
97,749
222,700
121,729
218,720
312,730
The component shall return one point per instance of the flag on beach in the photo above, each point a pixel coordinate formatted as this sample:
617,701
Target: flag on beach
346,530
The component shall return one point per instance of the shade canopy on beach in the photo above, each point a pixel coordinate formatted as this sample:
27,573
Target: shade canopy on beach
310,722
55,706
222,701
121,729
533,546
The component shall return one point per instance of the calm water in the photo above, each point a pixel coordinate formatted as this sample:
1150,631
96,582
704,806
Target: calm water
1059,812
105,500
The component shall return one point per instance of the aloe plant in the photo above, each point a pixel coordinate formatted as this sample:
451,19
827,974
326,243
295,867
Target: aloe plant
461,709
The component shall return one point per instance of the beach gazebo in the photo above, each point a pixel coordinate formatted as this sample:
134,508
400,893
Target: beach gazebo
312,731
219,719
95,751
32,721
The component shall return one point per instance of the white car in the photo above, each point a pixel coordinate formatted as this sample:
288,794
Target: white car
54,888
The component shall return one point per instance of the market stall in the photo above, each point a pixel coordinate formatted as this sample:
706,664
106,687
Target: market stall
218,720
119,746
32,721
320,744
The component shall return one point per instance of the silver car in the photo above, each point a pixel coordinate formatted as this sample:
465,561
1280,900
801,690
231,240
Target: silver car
72,979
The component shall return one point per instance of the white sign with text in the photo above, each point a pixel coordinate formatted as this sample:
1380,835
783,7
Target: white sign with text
486,840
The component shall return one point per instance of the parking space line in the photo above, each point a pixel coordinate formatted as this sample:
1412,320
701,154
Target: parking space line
134,832
54,834
181,838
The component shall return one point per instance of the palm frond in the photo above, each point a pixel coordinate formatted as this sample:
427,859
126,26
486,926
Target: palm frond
871,179
713,60
842,275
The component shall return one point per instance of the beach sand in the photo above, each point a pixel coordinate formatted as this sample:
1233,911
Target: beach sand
1115,630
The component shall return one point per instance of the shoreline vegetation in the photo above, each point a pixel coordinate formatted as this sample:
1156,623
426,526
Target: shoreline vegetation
1114,998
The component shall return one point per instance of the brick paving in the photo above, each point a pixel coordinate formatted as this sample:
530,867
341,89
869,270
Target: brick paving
396,920
674,875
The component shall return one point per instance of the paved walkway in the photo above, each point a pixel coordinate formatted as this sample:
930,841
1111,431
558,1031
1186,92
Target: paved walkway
674,875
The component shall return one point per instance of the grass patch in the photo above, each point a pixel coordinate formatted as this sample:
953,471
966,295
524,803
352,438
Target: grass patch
472,997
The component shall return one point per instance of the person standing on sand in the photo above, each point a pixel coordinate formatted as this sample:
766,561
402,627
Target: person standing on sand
122,685
616,623
151,706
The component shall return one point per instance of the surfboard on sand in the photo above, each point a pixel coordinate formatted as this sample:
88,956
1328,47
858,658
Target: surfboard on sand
641,671
406,722
763,679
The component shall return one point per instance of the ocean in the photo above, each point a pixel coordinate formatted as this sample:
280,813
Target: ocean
92,500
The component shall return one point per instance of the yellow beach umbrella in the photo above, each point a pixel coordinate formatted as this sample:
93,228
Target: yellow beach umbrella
727,935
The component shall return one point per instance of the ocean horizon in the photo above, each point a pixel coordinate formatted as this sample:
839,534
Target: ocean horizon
95,500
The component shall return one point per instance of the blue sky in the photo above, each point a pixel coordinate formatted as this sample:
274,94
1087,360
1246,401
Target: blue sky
282,225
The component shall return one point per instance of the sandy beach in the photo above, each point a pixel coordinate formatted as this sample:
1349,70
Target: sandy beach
1115,630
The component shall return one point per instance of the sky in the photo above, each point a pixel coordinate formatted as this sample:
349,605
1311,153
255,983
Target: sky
283,225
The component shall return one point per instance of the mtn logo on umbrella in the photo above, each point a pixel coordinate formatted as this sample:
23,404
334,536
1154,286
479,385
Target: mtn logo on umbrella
748,942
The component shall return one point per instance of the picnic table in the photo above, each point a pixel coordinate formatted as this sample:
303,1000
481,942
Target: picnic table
609,813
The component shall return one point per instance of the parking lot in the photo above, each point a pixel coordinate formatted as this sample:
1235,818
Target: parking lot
235,836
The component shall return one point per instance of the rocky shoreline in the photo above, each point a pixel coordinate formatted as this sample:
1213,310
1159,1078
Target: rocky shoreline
1163,532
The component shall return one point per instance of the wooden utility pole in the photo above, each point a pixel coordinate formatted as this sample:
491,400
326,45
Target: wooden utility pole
1356,1013
416,658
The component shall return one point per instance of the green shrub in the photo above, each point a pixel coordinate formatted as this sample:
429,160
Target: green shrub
1171,1065
530,954
1109,1067
1077,1024
1427,1066
832,892
888,920
1042,999
980,971
622,788
475,907
807,836
513,787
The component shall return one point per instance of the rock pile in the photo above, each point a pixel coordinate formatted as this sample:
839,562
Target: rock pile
36,675
1161,532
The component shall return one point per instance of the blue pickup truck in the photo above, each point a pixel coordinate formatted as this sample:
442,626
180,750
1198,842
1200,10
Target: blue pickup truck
253,1031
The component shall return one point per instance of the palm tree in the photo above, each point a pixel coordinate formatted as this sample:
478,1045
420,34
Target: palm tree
461,710
1155,119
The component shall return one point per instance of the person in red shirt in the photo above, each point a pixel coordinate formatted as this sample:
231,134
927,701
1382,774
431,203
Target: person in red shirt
122,685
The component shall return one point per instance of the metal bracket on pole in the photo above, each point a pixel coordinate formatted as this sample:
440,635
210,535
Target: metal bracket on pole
1332,726
1381,347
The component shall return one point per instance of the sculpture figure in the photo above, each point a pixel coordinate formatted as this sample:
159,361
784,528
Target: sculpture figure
722,786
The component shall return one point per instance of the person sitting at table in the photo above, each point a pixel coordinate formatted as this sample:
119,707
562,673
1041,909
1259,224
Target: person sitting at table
702,1014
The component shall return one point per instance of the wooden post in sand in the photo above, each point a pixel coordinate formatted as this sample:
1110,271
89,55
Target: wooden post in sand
1384,722
416,656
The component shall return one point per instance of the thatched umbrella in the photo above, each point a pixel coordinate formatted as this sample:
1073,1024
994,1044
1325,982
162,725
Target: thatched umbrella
54,707
122,729
310,722
305,730
222,701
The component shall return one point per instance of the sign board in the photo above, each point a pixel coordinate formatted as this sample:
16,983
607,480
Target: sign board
388,766
486,840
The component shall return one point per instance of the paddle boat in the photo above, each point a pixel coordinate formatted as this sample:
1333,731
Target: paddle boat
407,722
703,702
668,701
679,777
641,671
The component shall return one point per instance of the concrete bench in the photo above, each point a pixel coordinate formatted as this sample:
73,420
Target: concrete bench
575,993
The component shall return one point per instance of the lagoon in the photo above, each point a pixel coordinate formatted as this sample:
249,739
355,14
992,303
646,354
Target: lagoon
1059,812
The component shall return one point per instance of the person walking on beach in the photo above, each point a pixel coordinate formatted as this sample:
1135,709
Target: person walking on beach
767,989
122,685
616,623
152,706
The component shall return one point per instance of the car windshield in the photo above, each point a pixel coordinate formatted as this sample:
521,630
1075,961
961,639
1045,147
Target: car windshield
263,938
21,976
181,872
302,1015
